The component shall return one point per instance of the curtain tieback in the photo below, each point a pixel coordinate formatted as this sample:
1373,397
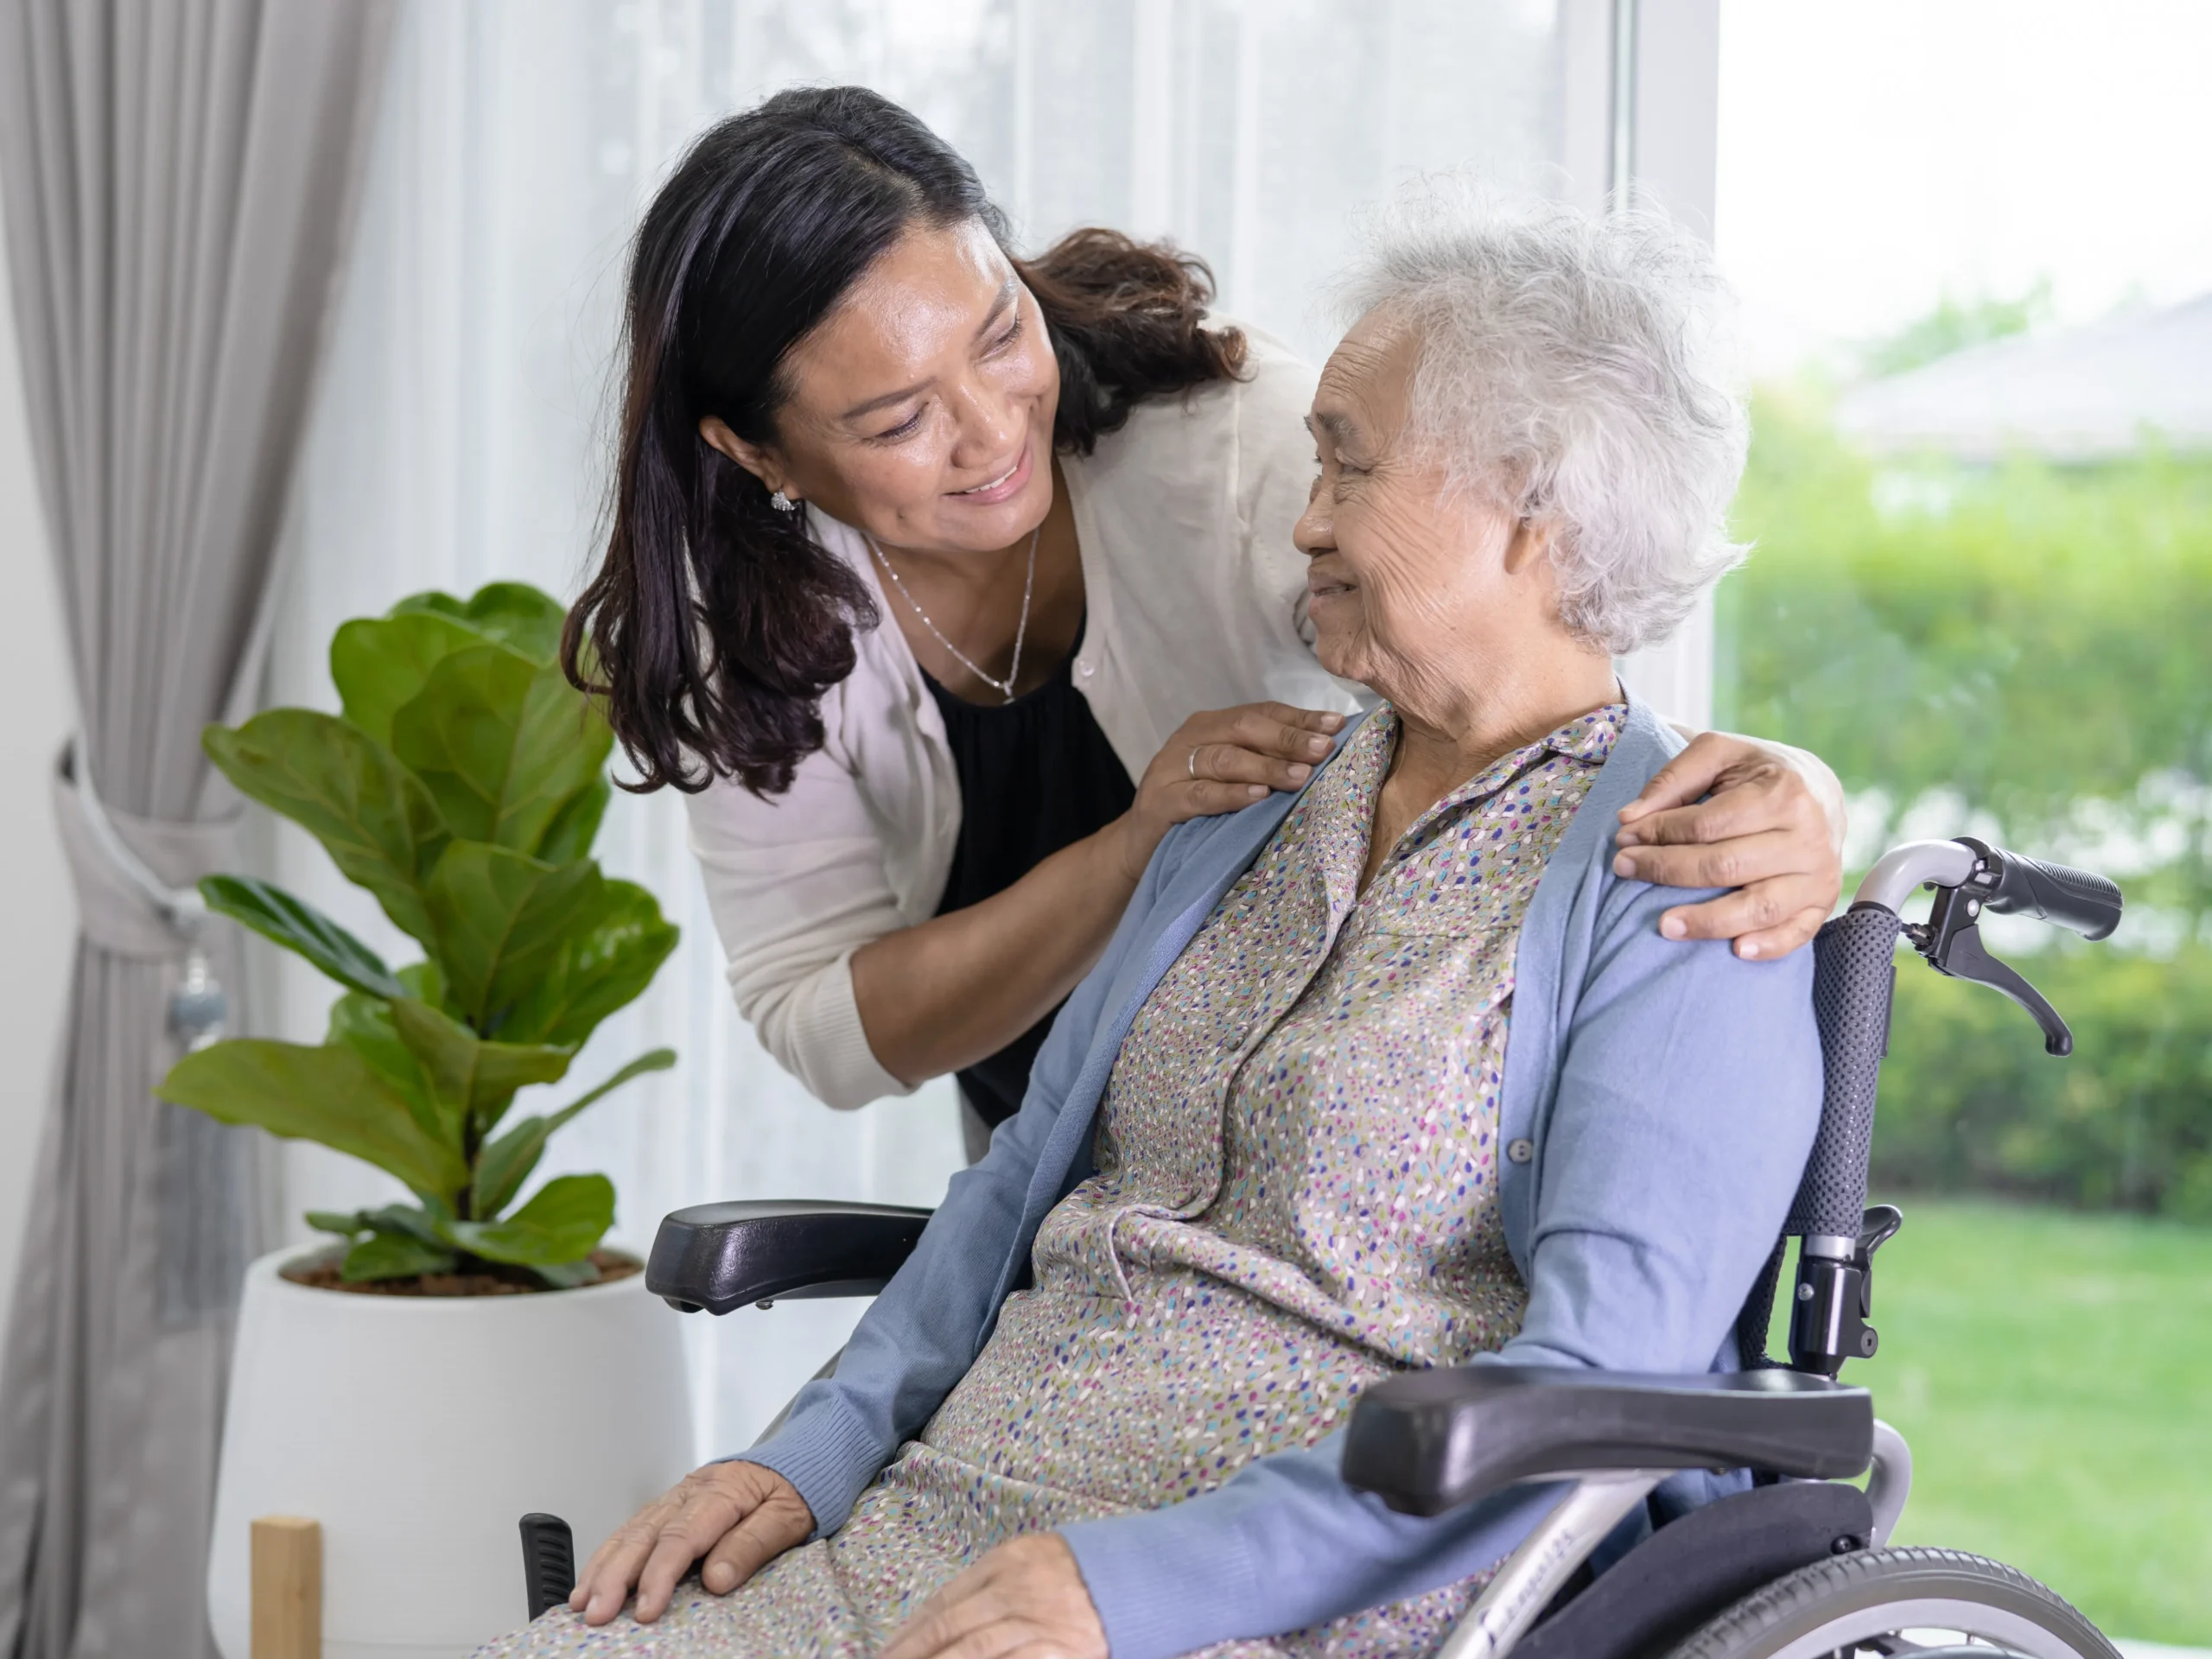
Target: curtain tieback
125,907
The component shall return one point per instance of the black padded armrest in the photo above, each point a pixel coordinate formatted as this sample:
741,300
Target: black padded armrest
721,1256
1429,1441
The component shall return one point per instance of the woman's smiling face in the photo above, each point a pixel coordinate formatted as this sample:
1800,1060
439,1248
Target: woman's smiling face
1408,584
921,409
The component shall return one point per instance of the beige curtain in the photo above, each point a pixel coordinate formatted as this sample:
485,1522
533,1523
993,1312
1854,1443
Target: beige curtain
179,177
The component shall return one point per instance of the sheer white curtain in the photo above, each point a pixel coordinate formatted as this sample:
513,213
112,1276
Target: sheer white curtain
460,436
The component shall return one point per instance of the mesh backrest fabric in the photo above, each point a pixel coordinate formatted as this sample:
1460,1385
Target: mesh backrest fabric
1758,1312
1855,968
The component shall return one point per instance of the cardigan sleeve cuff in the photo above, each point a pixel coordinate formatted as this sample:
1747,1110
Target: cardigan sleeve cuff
828,1455
1149,1572
829,1048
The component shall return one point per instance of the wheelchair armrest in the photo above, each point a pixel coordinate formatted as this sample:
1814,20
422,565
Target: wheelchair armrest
721,1256
1429,1441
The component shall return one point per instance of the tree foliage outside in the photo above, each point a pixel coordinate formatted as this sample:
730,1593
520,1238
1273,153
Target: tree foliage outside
1952,326
2022,651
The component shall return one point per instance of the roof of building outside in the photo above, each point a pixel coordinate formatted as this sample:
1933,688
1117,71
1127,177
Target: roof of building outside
2088,394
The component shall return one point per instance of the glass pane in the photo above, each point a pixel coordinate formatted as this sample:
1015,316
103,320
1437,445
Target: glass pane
461,437
1981,498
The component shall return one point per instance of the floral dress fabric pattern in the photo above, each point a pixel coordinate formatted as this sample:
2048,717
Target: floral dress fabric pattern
1295,1195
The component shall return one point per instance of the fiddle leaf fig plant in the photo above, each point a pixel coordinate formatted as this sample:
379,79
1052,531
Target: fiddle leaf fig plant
462,786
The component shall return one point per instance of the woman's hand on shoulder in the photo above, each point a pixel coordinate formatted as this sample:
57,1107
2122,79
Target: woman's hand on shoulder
1763,818
739,1515
1025,1599
1221,760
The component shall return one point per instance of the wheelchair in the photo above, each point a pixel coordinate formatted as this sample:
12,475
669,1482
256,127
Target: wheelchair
1797,1566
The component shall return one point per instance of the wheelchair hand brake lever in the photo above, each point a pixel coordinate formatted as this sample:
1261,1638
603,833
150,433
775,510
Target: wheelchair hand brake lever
1960,953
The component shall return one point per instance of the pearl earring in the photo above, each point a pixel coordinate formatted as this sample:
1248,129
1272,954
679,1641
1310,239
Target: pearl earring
781,502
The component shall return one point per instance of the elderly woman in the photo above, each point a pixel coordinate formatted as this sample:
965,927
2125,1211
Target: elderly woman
1394,1072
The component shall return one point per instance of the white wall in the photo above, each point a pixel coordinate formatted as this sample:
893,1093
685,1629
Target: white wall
35,893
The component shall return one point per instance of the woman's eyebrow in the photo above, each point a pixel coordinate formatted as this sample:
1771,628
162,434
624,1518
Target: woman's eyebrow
1339,430
888,397
998,309
998,306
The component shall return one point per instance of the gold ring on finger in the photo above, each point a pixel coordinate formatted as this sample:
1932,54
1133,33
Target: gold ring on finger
1192,765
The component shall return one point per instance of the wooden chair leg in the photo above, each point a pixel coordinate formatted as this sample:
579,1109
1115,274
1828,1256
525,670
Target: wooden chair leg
287,1569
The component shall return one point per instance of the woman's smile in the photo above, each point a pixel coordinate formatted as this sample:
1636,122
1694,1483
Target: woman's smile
1321,585
1007,485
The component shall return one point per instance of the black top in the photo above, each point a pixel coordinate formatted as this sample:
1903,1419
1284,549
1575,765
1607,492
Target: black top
1036,775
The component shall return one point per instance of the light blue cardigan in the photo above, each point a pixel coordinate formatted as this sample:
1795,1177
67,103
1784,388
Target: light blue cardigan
1667,1094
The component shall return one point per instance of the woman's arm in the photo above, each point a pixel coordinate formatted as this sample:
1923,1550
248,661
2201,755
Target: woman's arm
944,995
858,1004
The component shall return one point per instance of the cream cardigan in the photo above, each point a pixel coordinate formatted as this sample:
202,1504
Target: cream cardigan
1196,599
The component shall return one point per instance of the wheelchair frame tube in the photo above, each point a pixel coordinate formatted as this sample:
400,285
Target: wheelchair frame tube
1898,872
1548,1557
1891,1482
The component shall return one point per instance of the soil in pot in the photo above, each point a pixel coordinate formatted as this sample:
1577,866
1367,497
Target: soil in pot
320,1272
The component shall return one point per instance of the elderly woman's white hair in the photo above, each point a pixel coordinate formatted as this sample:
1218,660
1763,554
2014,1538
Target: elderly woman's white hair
1572,368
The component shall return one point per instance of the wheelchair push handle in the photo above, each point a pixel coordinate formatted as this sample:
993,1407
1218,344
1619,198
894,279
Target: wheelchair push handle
1990,878
2017,885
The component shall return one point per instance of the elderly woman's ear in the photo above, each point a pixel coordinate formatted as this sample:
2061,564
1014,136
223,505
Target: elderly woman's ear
1780,812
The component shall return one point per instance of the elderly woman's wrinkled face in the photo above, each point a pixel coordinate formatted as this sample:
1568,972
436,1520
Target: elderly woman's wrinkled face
1416,589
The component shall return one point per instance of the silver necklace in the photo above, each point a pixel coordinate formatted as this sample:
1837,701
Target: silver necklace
1005,687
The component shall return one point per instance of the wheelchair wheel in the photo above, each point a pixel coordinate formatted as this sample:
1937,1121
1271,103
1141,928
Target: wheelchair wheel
1909,1604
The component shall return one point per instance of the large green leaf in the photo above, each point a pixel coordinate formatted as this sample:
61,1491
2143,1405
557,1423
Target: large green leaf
575,826
365,1025
414,1220
330,1094
513,612
394,1255
599,967
403,1241
506,1163
563,1222
499,921
378,663
380,826
426,984
472,1080
298,926
502,745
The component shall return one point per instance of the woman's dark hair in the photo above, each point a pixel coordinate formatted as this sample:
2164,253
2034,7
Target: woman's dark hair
715,623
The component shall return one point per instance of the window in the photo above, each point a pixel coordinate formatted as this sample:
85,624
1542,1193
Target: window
460,435
1982,589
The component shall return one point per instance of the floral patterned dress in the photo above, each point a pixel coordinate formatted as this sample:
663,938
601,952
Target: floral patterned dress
1296,1195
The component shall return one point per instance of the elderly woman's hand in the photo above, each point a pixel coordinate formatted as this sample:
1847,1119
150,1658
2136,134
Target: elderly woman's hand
1221,760
1025,1599
739,1515
1729,812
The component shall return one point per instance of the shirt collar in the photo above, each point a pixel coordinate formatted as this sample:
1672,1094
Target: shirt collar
1587,738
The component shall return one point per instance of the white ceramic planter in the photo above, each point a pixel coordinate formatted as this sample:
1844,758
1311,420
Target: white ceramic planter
419,1430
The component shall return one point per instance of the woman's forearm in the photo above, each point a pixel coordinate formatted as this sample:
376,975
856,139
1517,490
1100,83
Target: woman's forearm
945,994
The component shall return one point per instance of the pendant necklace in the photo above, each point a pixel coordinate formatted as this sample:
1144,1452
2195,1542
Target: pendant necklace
1005,687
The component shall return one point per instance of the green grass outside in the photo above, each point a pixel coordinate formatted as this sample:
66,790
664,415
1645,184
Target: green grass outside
2053,1372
